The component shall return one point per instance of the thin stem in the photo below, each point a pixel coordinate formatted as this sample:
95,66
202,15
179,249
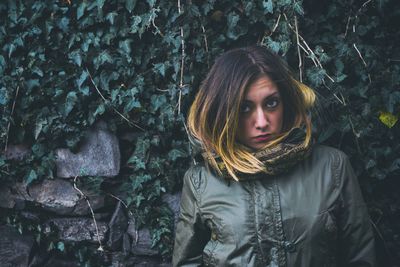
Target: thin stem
116,111
92,212
9,123
298,50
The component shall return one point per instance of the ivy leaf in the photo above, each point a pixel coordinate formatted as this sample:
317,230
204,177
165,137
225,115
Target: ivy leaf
39,126
158,101
76,57
139,180
126,46
298,8
70,102
63,24
151,2
60,246
388,119
31,177
160,68
176,153
37,71
268,6
100,110
81,10
135,24
2,64
111,17
82,78
395,166
130,5
3,96
138,157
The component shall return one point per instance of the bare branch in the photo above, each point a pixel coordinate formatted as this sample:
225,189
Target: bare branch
347,26
298,50
273,29
341,101
365,63
359,54
205,37
182,62
91,211
311,53
116,111
9,122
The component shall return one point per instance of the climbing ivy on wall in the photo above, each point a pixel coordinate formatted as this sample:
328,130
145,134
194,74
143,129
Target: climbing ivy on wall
137,64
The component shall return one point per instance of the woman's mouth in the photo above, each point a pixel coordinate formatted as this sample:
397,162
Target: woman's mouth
262,138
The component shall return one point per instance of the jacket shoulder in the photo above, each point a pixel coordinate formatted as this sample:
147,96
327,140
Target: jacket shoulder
195,177
334,159
327,153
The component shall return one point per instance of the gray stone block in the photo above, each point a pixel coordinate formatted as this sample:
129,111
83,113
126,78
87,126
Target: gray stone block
98,156
14,197
17,152
76,229
56,195
173,202
14,247
118,225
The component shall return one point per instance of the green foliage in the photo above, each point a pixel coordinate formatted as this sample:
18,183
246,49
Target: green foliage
66,64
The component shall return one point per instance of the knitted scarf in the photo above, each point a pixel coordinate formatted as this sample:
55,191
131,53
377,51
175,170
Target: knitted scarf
278,159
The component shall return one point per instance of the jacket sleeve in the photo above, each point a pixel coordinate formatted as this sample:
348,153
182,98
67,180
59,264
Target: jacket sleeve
191,235
356,236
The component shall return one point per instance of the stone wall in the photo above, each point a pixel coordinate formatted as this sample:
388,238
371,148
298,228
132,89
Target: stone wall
64,211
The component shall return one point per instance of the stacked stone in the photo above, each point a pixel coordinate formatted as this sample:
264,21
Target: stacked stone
68,212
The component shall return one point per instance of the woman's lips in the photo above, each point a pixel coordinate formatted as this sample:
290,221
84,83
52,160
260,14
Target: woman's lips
262,138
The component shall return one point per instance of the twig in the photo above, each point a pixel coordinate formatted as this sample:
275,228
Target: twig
312,54
162,90
363,5
273,29
189,143
156,27
365,63
9,123
276,25
359,54
342,101
205,37
129,212
91,211
206,44
347,26
101,95
122,202
5,172
182,62
356,134
298,49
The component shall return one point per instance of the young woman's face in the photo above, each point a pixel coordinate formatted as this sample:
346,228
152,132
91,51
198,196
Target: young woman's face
261,114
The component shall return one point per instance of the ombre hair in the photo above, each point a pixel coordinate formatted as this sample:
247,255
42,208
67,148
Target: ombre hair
214,115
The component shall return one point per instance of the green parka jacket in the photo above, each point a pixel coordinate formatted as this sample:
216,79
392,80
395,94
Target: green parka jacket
312,216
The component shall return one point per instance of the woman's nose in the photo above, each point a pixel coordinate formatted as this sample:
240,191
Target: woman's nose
261,120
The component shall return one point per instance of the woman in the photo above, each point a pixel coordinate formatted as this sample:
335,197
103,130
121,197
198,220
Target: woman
264,195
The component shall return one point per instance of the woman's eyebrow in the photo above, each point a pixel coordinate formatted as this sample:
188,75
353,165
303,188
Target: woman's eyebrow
276,93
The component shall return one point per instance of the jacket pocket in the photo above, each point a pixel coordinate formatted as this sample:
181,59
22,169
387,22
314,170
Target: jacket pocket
211,246
326,238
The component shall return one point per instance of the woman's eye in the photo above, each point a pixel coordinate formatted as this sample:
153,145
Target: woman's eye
272,103
244,108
